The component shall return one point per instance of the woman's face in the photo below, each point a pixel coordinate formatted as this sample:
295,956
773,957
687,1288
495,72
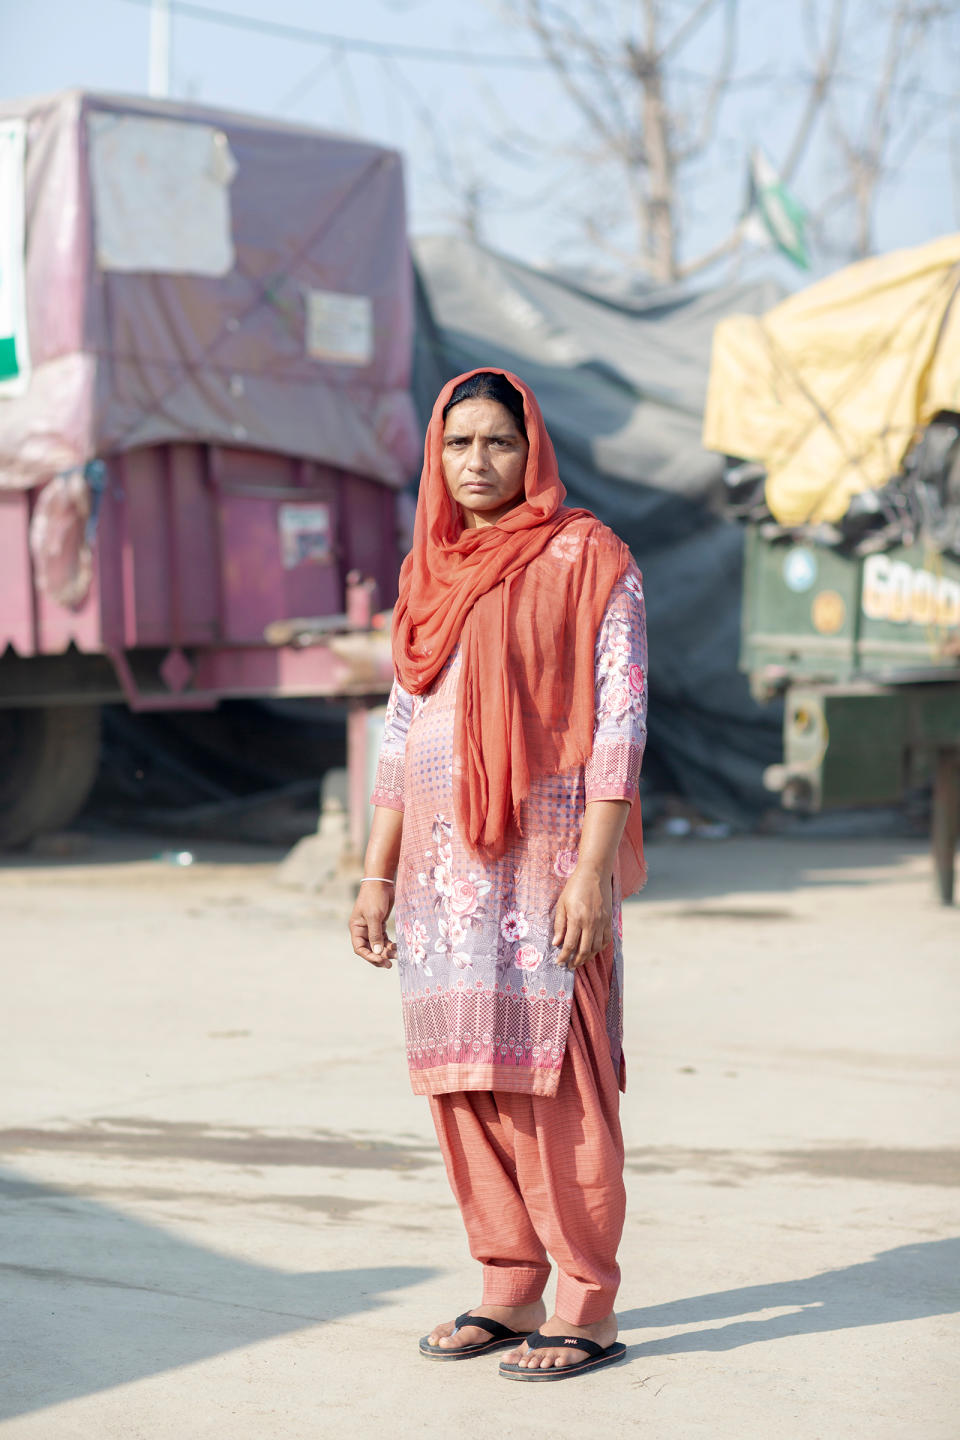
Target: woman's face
484,458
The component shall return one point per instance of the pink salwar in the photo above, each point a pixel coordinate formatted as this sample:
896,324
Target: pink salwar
537,1176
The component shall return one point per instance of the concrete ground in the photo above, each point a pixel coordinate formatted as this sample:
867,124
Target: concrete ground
222,1212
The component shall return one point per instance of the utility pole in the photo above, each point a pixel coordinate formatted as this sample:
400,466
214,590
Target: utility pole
159,84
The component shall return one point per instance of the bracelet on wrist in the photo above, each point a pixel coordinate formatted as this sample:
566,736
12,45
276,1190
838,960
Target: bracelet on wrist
382,878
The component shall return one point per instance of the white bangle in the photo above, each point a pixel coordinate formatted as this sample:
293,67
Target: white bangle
382,878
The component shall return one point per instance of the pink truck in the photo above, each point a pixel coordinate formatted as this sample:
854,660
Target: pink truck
205,422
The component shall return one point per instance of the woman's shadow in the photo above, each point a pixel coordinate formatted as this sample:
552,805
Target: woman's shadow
907,1283
98,1298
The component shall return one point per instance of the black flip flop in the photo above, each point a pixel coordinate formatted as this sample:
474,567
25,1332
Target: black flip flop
500,1338
597,1357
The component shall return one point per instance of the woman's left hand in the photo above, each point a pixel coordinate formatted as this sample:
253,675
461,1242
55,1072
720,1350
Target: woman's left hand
583,923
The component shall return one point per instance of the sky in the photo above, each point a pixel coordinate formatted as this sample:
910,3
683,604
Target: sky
503,132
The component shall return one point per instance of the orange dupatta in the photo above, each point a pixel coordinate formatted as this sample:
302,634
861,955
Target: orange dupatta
524,598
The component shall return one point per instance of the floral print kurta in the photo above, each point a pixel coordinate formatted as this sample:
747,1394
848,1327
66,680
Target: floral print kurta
484,1006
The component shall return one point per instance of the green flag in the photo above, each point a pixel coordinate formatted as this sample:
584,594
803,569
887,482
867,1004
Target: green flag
9,365
772,213
14,354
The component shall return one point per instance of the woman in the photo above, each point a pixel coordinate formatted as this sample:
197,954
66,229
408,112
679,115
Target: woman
506,829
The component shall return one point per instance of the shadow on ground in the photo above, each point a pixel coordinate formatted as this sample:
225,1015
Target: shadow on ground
137,1138
911,1282
691,872
96,1298
78,849
694,871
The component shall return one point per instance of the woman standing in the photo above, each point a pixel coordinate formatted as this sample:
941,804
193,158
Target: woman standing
506,830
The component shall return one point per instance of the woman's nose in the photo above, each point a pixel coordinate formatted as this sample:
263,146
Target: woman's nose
478,456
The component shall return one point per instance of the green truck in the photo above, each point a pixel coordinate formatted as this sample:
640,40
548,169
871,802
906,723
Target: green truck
839,414
866,654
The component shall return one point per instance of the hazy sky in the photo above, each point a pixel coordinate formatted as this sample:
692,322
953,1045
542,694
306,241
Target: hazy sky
460,127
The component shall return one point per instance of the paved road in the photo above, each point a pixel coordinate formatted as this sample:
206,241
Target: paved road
223,1213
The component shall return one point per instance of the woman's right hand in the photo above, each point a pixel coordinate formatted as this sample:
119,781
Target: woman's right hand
368,924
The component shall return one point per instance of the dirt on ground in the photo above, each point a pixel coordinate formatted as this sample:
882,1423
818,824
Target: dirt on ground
224,1214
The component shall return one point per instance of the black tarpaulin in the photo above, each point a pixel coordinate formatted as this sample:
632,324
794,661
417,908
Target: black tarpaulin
621,378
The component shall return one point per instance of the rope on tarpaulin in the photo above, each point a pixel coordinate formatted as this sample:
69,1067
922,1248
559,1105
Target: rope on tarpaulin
94,473
820,408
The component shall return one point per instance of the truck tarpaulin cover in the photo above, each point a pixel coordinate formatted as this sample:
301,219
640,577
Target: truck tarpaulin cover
621,376
829,389
196,275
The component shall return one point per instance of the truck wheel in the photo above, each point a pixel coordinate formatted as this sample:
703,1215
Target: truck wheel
48,763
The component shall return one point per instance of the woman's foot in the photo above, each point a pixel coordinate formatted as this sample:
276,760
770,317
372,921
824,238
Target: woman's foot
524,1318
604,1332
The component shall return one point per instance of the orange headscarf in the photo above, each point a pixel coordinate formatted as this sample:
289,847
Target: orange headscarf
526,612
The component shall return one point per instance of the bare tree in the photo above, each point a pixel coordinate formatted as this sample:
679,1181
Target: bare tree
466,189
619,86
654,119
873,140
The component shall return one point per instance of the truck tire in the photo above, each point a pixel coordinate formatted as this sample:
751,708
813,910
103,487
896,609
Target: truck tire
48,762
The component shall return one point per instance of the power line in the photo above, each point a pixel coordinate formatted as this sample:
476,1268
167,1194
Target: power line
348,42
383,49
306,83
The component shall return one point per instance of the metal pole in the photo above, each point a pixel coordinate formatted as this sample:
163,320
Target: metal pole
160,49
946,821
358,769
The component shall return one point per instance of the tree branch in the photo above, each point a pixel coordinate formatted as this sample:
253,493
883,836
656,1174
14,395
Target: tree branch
647,119
558,61
698,15
909,25
718,87
726,247
823,79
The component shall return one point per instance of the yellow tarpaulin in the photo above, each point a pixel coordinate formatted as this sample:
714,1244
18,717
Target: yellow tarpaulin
828,390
